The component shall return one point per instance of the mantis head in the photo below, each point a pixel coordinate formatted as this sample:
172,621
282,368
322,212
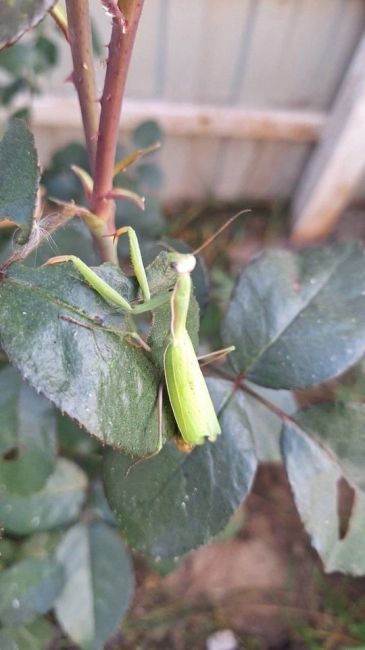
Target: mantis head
182,262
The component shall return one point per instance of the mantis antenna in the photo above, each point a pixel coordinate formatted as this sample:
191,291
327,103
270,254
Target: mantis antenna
219,231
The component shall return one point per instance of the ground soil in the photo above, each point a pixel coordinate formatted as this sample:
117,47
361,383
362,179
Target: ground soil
266,584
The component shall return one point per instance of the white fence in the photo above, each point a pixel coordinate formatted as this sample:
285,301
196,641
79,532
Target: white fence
243,88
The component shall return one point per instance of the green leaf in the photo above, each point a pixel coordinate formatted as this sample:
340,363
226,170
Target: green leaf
175,502
46,54
148,223
341,428
28,431
14,59
9,92
22,113
8,552
99,584
59,179
98,506
96,42
28,60
265,425
34,636
39,545
150,176
58,503
67,350
79,445
147,134
298,319
19,178
17,16
74,441
28,588
94,376
316,466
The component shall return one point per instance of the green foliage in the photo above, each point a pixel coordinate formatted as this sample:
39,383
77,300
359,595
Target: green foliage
17,17
57,503
183,493
284,299
29,435
99,575
22,67
315,472
28,588
59,179
148,133
266,425
19,178
77,335
33,636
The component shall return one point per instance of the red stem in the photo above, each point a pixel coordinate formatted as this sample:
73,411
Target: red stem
79,32
120,50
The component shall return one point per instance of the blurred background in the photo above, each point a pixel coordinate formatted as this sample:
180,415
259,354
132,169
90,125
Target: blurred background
258,100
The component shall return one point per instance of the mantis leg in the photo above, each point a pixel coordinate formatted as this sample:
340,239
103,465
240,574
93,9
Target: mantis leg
104,290
217,355
159,442
107,292
134,336
136,259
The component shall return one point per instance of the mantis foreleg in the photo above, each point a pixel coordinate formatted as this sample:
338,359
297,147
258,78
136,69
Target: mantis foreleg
103,288
136,259
133,336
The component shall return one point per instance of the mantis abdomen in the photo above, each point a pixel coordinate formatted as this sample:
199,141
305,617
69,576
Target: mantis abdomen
189,397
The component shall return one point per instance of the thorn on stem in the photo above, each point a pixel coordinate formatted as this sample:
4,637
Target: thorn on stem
113,11
70,78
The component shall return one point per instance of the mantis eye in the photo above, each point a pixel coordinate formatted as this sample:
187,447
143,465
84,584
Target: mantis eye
184,263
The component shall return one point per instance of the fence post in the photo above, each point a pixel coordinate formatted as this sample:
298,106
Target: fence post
335,169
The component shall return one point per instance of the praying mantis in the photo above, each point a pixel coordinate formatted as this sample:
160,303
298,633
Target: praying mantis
188,393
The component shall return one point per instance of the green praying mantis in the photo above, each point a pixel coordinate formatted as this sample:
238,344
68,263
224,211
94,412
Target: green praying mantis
189,397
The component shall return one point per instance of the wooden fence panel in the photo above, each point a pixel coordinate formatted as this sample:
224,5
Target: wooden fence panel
251,54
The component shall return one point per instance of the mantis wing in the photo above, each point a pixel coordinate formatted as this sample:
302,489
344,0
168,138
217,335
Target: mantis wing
189,396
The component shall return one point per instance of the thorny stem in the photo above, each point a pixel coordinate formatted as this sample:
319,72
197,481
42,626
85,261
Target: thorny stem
79,33
102,135
105,243
120,49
